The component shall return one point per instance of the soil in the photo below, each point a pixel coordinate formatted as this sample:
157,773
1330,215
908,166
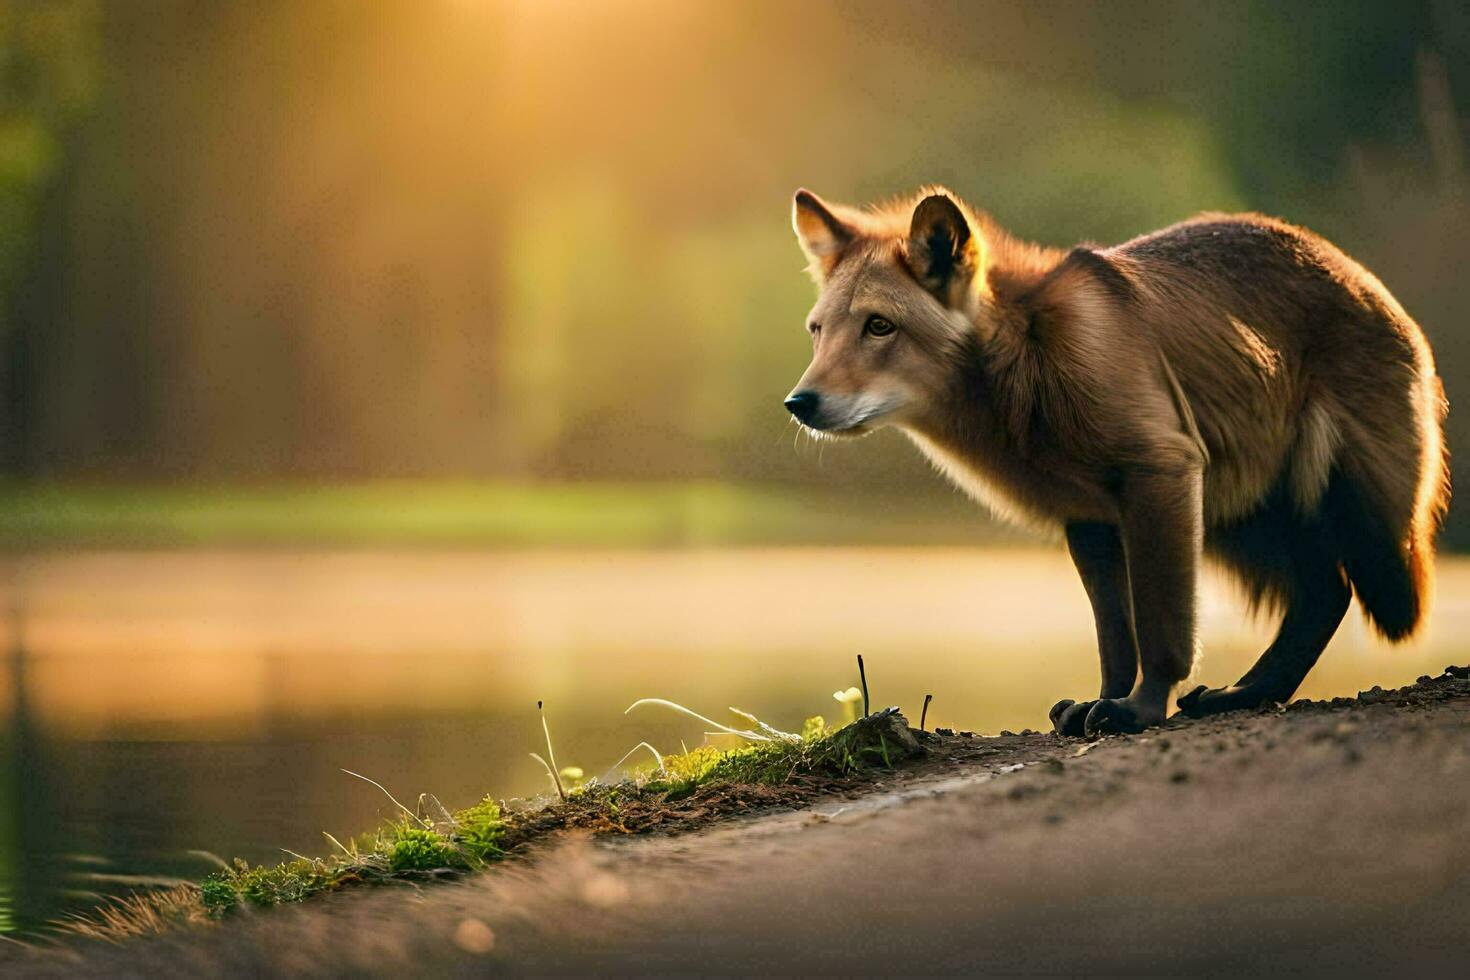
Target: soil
1318,837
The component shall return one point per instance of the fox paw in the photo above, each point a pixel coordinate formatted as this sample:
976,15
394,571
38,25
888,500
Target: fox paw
1115,716
1204,701
1068,717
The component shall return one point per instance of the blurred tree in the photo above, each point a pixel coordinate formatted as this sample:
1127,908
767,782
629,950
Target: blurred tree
549,240
48,80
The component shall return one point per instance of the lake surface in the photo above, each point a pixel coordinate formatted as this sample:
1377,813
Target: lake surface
157,707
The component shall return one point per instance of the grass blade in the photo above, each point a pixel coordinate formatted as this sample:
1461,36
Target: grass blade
411,815
641,745
550,774
723,729
555,772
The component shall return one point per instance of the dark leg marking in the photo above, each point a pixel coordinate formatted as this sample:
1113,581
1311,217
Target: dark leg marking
1289,561
1312,616
1097,551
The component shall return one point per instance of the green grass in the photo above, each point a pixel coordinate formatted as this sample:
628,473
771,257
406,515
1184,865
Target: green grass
476,513
465,841
818,752
434,842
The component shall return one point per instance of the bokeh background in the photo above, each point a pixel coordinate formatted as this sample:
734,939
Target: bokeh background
370,370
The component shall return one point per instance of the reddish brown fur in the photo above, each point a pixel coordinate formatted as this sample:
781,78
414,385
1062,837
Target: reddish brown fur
1235,361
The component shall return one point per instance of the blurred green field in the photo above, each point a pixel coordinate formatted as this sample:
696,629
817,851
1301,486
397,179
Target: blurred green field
404,513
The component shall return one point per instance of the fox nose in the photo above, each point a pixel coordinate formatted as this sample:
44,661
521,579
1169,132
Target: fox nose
803,404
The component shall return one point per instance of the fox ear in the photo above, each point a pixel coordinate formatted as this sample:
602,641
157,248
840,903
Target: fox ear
822,234
943,250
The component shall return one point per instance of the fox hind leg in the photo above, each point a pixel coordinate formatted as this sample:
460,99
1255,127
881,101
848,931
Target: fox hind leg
1312,616
1290,561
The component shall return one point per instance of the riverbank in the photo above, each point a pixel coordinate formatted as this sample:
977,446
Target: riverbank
1327,836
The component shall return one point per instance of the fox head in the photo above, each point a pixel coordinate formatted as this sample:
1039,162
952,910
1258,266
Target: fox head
901,296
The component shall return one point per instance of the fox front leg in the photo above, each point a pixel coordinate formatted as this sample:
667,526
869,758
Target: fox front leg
1162,526
1097,551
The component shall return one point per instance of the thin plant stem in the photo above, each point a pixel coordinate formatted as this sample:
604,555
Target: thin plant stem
724,729
555,773
641,745
407,812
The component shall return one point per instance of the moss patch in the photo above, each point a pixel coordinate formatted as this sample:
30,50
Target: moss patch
456,843
685,792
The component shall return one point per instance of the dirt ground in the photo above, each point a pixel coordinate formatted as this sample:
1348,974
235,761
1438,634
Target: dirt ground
1325,837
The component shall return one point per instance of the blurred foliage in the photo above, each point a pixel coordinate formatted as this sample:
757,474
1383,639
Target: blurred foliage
549,241
480,513
48,79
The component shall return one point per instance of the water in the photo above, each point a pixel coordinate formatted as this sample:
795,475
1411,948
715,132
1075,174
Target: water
158,705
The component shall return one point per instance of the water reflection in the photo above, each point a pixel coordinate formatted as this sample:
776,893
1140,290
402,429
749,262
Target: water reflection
163,704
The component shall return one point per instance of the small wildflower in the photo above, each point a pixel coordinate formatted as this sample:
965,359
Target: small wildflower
849,699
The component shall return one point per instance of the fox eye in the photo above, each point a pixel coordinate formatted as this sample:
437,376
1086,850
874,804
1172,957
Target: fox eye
878,327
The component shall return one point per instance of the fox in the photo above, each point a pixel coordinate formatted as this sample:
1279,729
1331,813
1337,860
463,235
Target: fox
1231,388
